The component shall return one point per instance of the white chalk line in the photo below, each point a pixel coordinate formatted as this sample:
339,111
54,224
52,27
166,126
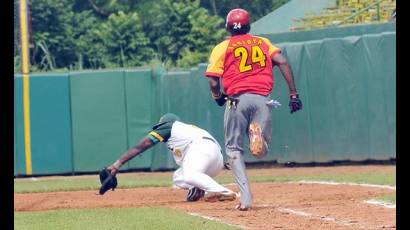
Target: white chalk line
380,203
215,219
309,215
332,219
328,183
346,183
322,218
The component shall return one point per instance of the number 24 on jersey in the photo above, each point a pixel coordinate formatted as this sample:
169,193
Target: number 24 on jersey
257,56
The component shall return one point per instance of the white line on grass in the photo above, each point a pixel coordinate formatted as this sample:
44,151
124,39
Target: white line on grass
381,203
215,219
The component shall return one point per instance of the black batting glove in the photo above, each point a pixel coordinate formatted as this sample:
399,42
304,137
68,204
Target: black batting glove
295,103
221,99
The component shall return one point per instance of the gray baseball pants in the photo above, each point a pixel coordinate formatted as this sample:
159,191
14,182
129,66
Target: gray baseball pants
249,108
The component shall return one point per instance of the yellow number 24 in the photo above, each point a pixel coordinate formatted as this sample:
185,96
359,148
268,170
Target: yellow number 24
257,57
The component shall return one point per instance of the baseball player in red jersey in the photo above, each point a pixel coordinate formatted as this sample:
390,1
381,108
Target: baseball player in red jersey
244,64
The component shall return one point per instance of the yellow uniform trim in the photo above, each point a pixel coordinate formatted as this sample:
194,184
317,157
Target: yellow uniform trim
26,84
217,59
272,49
161,139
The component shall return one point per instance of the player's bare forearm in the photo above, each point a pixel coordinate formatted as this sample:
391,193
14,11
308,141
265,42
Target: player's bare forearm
144,144
214,86
286,71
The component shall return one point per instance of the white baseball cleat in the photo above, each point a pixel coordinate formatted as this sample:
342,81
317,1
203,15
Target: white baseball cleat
220,196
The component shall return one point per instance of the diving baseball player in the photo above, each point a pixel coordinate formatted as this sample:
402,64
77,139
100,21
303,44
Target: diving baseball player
196,152
244,64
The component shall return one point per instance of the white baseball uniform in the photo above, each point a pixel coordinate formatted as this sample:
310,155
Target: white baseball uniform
196,152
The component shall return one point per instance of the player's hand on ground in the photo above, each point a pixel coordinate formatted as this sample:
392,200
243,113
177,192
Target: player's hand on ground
295,103
113,170
108,180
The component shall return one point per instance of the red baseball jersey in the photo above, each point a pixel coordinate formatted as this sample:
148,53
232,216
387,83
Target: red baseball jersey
244,64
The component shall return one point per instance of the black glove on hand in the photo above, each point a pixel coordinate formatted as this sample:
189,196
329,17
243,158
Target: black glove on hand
221,99
108,181
295,103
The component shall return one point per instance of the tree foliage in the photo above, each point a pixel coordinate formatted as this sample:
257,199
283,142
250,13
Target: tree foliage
125,42
92,34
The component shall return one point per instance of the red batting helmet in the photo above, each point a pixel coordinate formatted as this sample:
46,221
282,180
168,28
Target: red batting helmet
238,21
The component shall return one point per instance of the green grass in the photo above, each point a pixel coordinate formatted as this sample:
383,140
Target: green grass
165,179
391,199
76,184
367,178
113,218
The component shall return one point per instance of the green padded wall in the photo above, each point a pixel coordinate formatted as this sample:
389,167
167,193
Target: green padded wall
138,89
19,126
330,32
290,132
173,89
348,92
381,93
50,124
209,115
83,121
161,157
98,118
14,155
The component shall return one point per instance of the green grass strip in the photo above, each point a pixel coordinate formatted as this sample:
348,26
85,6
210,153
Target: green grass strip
135,181
75,184
114,218
391,199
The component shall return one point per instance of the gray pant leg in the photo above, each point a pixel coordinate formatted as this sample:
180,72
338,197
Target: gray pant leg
236,127
251,108
237,164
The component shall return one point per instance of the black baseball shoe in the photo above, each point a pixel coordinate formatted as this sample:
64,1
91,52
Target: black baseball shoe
194,194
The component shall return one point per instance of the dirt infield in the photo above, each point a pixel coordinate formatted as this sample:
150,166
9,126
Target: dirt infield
277,205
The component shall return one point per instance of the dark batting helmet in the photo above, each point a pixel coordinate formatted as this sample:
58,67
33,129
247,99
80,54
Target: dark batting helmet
238,21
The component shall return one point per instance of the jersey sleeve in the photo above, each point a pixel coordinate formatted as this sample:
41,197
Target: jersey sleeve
161,133
217,59
272,49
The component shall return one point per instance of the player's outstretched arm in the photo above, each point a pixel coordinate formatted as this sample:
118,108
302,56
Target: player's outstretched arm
279,60
295,103
144,144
